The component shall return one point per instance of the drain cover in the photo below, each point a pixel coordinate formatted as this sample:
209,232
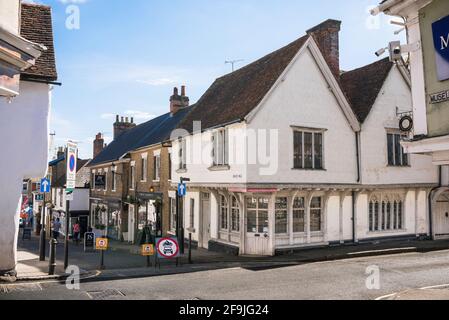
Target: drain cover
29,287
105,294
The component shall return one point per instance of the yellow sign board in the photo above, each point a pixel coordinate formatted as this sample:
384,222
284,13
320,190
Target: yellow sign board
147,250
101,244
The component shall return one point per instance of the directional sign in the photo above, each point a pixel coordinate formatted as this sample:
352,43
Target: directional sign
101,244
167,248
182,190
147,250
71,166
45,185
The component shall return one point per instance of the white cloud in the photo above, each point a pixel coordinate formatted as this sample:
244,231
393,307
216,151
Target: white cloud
107,116
139,115
159,82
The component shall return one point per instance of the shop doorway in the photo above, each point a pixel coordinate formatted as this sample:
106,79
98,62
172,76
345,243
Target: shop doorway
131,224
441,222
257,236
205,220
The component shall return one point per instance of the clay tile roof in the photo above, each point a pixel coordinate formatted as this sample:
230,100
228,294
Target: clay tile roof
362,86
234,96
36,26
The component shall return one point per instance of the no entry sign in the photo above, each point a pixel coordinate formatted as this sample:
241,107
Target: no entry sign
167,248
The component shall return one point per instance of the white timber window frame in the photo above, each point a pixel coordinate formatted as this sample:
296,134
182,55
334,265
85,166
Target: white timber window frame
308,155
144,167
396,157
132,176
220,148
386,213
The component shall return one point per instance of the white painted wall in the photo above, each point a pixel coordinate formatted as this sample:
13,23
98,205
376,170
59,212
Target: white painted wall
9,15
374,154
303,99
80,200
198,167
24,128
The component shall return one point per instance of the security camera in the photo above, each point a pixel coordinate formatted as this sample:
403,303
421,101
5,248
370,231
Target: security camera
395,51
380,52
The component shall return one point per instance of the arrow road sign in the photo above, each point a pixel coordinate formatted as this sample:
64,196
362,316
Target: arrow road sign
182,190
45,185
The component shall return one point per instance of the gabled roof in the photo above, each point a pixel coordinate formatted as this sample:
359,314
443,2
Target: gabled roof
232,97
150,133
36,26
363,85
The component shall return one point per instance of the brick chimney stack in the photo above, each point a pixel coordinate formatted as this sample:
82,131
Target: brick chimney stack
60,153
98,144
122,125
178,102
326,35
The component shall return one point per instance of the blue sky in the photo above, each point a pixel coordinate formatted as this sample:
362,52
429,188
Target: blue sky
127,56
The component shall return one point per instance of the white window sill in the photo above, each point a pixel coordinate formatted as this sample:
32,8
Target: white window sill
219,168
386,231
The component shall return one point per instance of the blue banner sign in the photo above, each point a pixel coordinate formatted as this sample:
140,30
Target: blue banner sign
440,31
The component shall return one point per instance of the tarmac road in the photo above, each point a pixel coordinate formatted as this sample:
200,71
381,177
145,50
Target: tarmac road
334,280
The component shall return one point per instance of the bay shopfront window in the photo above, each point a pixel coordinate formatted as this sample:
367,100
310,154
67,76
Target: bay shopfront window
385,213
229,218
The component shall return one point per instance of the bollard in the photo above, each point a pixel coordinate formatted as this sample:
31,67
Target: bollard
42,245
52,259
190,248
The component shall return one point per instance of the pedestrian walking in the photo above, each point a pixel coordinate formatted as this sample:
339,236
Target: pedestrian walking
76,232
56,228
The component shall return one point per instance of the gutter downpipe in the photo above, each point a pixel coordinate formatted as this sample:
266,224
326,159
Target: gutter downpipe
357,148
440,184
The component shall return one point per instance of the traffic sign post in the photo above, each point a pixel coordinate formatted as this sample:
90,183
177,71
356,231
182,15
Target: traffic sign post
148,251
180,194
71,159
45,186
101,245
167,248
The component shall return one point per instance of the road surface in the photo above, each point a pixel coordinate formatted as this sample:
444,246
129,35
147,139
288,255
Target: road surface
344,279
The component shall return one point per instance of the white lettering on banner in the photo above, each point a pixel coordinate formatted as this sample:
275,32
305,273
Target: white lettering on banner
444,42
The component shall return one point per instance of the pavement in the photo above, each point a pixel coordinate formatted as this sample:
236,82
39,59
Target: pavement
123,261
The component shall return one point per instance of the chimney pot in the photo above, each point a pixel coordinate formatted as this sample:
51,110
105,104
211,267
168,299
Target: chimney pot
175,91
183,91
126,119
122,119
116,118
132,119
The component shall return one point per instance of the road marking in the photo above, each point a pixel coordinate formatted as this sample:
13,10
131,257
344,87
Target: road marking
379,251
401,292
